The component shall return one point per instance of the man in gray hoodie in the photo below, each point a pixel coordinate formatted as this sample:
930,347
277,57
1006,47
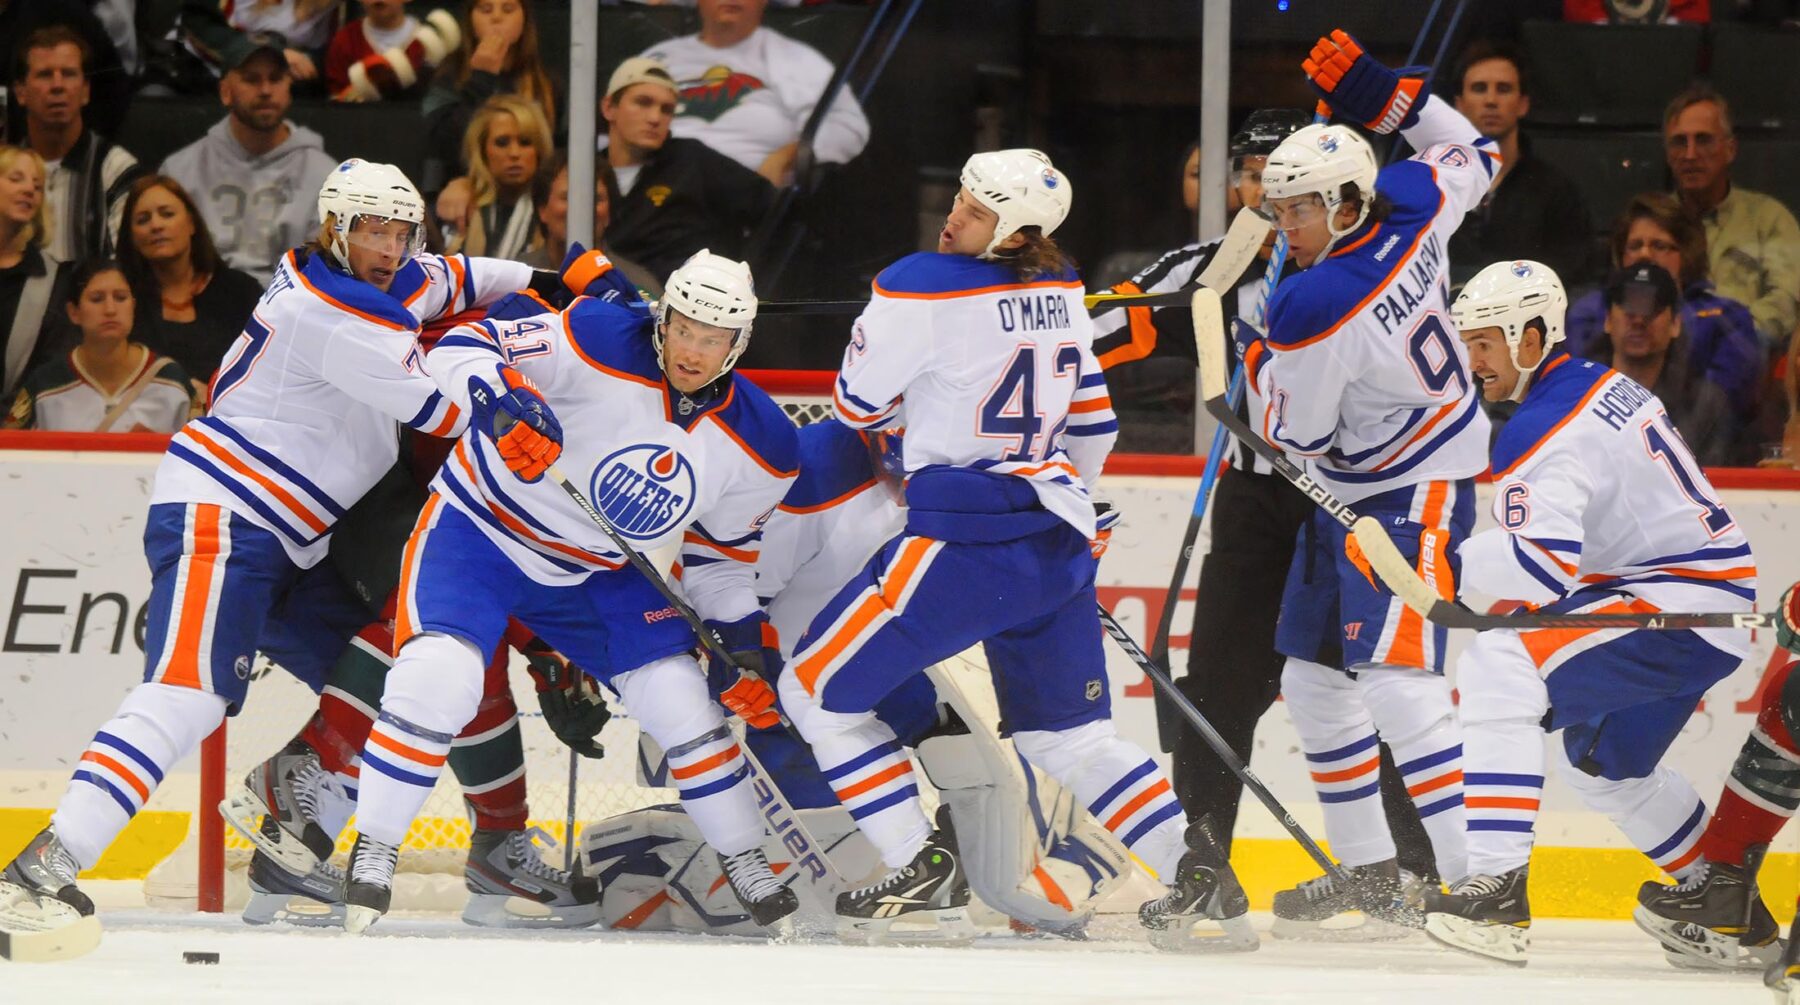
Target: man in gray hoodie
254,174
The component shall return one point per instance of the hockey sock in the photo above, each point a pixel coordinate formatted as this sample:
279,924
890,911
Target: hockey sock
670,700
155,726
1412,710
1119,785
432,692
349,703
1763,789
1661,814
1338,738
1505,787
488,756
873,778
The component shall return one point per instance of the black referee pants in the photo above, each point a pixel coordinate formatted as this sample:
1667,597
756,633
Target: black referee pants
1234,672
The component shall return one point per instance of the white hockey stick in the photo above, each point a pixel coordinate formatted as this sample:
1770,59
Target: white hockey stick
34,930
779,815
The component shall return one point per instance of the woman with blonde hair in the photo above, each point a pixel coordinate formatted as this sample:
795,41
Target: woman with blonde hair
32,283
507,145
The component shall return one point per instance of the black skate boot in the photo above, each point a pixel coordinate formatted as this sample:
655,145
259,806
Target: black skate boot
930,890
1319,908
277,808
768,900
43,916
1783,976
1204,887
315,900
511,886
371,886
1484,915
1714,921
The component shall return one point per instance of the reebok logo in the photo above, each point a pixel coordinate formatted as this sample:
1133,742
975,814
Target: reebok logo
652,617
1387,246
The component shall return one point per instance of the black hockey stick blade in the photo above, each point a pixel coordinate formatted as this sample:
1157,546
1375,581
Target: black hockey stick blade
1400,576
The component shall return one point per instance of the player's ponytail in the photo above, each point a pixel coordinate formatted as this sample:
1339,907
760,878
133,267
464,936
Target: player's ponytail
1038,257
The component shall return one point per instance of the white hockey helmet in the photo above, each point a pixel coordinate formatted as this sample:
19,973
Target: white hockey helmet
1023,189
1318,160
1509,296
713,290
358,188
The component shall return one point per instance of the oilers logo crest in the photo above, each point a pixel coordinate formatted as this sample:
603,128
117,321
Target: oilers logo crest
645,490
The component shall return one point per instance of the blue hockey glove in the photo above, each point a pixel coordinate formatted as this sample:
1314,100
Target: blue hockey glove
520,422
1361,89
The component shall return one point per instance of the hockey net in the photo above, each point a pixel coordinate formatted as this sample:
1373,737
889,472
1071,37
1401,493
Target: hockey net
565,792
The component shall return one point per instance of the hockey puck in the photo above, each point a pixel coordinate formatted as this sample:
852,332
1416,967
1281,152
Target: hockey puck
205,958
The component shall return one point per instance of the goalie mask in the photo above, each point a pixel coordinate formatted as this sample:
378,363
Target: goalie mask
713,290
1022,188
1510,296
359,189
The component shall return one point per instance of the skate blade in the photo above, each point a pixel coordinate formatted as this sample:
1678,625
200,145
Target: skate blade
497,910
1689,946
243,809
948,926
1502,943
1351,926
282,909
358,919
1233,935
42,929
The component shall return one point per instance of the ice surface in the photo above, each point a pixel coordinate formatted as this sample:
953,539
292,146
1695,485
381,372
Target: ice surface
435,959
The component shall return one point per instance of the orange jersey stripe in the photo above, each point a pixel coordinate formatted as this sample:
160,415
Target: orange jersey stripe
1500,803
443,428
875,781
1435,784
1684,860
202,566
704,765
906,563
1544,643
116,768
1137,803
1091,405
748,450
1580,407
340,305
403,626
1345,774
740,554
829,503
978,291
212,447
386,742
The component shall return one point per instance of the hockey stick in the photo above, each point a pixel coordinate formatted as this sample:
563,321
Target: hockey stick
1382,554
569,818
1223,749
812,856
1400,576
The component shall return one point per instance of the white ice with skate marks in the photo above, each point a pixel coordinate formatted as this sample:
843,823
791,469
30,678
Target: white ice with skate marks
407,959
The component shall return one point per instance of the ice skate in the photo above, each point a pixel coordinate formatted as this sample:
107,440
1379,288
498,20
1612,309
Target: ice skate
1783,976
1324,909
371,883
43,916
277,808
1204,888
511,886
926,900
315,900
768,900
1714,921
1484,915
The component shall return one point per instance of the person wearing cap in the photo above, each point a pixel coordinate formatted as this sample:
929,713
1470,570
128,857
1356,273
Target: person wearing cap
1533,210
254,172
1644,341
676,196
747,91
89,175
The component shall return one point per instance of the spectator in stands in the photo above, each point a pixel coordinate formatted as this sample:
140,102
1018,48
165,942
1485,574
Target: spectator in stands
551,195
498,54
507,145
109,382
111,50
676,196
32,284
1644,341
88,174
747,91
255,175
1752,240
1720,335
1636,11
1532,210
192,305
222,32
387,53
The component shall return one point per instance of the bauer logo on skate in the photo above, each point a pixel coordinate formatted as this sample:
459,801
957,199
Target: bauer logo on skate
645,490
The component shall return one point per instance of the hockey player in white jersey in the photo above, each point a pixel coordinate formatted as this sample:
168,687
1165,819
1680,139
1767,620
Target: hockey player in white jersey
981,351
1365,384
1602,508
672,447
301,425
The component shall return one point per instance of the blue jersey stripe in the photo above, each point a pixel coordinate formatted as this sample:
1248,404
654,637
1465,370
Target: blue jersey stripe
1413,460
251,497
274,463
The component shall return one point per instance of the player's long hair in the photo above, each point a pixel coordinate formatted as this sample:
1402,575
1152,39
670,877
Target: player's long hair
524,71
1038,257
1380,206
